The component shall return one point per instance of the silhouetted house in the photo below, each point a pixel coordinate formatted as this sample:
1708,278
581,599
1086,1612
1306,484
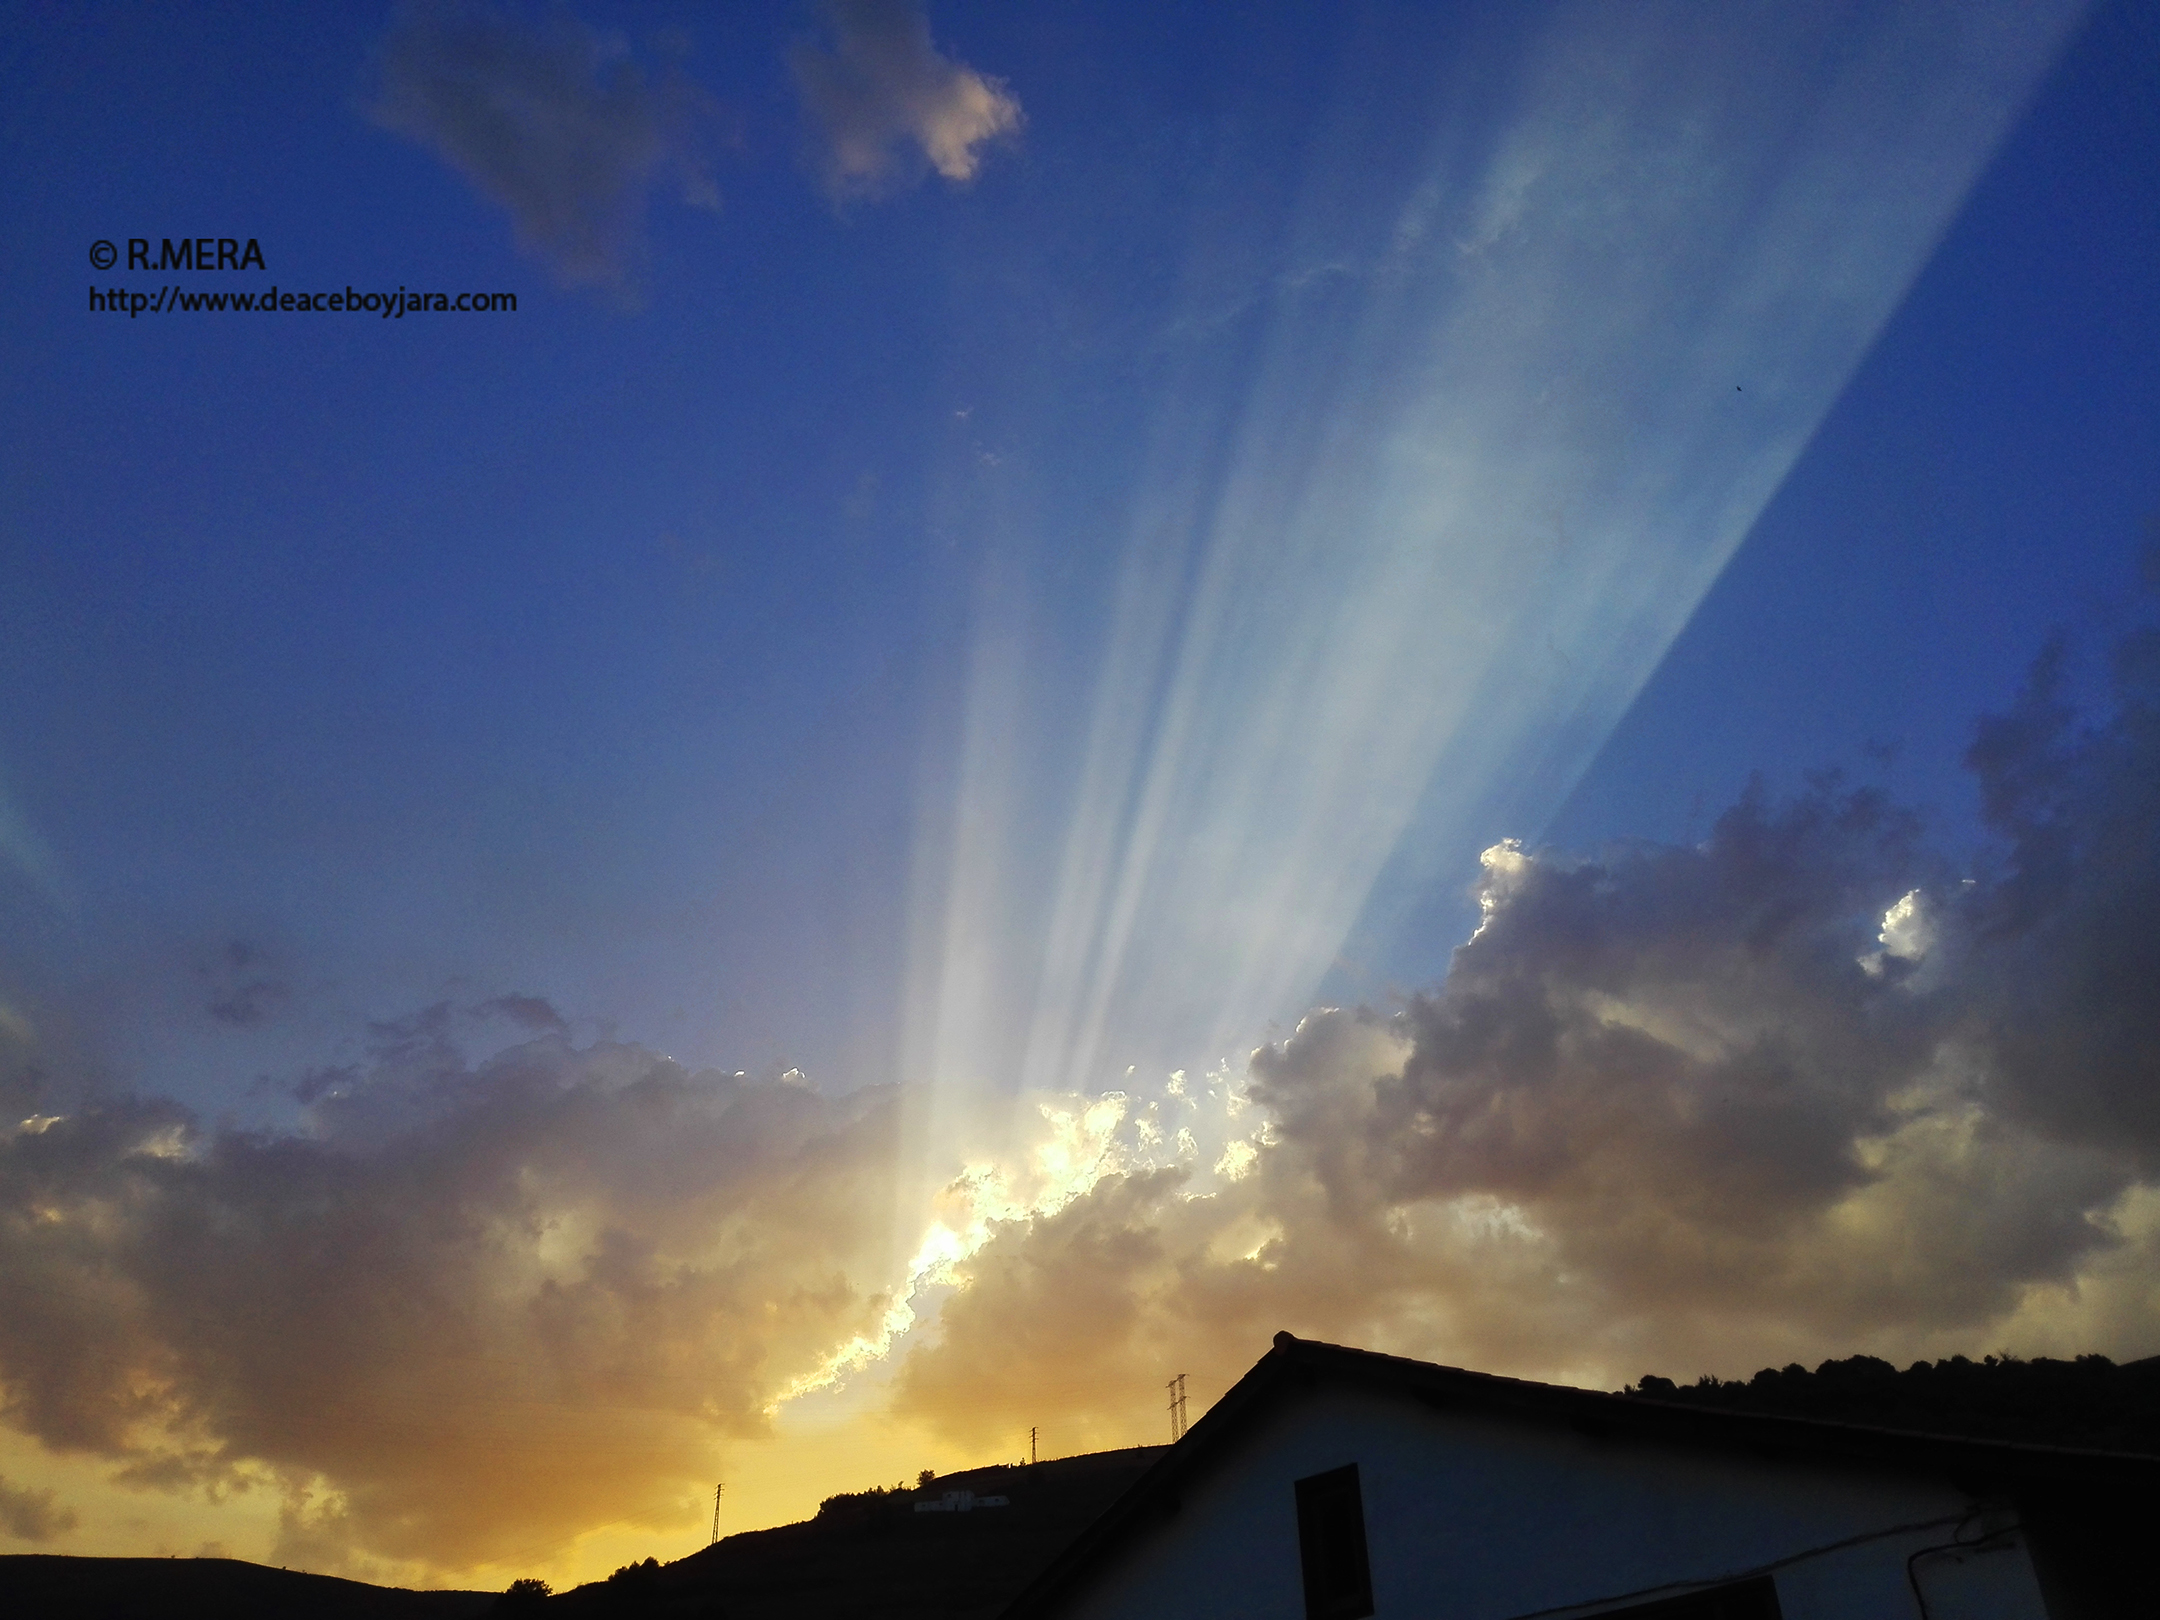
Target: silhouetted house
1334,1483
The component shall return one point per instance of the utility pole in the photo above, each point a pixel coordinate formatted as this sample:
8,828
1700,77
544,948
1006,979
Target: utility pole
1177,1408
1031,1445
716,1490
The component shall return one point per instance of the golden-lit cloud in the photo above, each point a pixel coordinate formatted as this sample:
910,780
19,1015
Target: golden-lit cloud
1805,1088
463,1313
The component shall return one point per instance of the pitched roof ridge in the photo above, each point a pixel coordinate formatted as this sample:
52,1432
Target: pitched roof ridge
1795,1421
1684,1422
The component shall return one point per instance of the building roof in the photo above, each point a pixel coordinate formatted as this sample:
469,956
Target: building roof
1295,1367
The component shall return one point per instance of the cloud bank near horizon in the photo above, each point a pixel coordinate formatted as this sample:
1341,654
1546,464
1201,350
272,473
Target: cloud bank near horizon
462,1312
1807,1088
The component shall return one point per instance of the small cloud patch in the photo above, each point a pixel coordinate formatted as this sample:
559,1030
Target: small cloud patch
558,124
886,103
33,1515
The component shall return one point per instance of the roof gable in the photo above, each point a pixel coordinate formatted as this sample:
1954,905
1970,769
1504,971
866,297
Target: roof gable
1296,1371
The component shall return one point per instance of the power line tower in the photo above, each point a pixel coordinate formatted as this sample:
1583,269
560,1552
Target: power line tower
1177,1409
716,1490
1031,1445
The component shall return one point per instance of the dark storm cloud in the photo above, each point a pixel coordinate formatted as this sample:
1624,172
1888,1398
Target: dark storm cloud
468,1312
886,103
1701,1013
554,122
2066,939
1802,1089
1701,1075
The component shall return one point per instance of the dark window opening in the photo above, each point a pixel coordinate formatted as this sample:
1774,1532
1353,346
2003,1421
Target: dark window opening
1331,1546
1736,1600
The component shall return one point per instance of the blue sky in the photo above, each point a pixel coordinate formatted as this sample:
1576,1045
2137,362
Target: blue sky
1006,550
602,652
1974,489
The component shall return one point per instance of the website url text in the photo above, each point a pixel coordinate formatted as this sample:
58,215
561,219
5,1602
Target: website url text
389,306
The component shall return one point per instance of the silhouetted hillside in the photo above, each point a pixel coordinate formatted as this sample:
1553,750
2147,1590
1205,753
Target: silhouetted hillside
209,1589
2089,1402
870,1553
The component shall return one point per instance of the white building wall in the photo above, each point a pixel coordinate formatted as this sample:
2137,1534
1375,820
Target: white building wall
1471,1518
